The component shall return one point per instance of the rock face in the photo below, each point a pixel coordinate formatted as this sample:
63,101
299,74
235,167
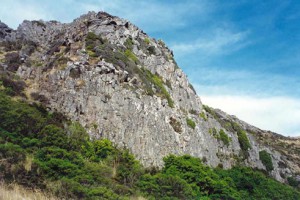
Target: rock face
4,30
123,85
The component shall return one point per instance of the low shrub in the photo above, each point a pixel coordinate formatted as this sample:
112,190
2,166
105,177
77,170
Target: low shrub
190,123
266,159
224,137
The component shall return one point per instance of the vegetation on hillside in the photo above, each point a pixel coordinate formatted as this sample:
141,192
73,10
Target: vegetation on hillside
46,151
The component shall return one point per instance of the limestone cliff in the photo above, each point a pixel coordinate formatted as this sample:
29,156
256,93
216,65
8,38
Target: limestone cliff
123,85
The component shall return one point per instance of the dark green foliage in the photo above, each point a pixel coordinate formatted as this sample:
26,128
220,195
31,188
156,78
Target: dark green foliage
151,50
62,153
186,177
128,169
162,186
293,182
243,140
190,123
255,185
224,137
266,159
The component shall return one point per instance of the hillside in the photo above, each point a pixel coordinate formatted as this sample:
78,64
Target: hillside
122,85
45,151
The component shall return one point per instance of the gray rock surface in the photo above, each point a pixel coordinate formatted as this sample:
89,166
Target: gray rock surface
111,101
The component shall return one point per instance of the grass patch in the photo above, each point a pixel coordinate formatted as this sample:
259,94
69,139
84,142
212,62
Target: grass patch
224,137
203,116
131,56
147,41
152,80
190,123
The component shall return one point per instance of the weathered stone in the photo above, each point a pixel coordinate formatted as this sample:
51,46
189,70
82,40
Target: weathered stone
124,102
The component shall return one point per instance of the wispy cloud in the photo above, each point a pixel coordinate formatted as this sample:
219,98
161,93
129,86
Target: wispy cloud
278,114
152,16
219,41
14,12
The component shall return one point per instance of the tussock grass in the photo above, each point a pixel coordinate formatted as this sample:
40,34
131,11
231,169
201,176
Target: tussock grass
16,192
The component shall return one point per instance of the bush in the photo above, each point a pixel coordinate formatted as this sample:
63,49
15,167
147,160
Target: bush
152,80
244,141
224,137
292,181
203,116
147,40
266,159
190,123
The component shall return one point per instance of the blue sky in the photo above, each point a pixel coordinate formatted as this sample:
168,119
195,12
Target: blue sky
241,56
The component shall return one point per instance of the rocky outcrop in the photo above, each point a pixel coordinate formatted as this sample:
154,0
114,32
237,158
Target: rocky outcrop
4,30
123,85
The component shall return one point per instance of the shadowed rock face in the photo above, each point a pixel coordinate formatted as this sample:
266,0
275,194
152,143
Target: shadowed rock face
123,85
4,30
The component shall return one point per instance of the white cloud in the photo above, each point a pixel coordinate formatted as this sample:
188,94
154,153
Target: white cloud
151,16
278,114
14,12
220,41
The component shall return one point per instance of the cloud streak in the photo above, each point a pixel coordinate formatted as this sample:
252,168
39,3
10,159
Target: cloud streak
279,114
220,41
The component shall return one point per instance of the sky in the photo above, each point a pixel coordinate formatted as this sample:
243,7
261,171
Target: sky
241,56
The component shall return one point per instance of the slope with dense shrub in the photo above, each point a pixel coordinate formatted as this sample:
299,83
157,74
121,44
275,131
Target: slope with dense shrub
46,151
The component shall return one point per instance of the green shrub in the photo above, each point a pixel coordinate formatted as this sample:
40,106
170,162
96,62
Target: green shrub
293,182
266,159
152,80
243,140
190,123
203,116
147,40
224,137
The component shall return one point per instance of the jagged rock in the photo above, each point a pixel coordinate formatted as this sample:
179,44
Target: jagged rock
4,30
133,93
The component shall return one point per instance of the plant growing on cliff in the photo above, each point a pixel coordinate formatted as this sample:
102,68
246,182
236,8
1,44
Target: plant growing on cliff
131,55
243,140
152,80
224,137
190,123
203,116
266,159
